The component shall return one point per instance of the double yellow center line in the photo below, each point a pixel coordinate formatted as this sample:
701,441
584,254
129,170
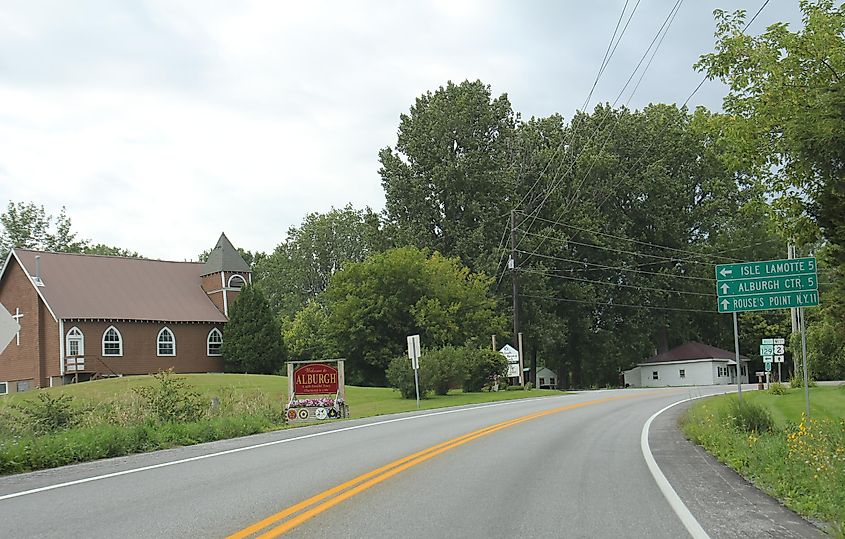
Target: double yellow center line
313,506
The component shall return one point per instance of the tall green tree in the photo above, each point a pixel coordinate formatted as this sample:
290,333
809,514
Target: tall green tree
300,267
27,225
252,339
370,307
785,119
447,181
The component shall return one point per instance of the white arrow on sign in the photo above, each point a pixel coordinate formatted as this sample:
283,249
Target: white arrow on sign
725,288
724,304
725,272
9,327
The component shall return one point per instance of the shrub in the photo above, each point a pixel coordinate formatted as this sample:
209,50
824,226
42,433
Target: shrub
529,386
776,388
171,399
749,416
49,413
516,387
443,368
798,381
481,366
400,376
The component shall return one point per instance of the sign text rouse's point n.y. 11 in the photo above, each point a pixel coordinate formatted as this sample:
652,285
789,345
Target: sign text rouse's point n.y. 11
768,284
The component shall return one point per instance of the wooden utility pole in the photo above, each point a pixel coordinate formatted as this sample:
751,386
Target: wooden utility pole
514,280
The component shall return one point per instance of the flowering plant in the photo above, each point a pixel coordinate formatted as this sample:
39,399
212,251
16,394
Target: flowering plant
324,402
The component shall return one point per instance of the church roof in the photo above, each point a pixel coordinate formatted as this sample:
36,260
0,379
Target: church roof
224,257
77,286
693,350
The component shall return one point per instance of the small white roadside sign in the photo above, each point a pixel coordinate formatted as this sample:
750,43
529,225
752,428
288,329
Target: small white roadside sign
513,360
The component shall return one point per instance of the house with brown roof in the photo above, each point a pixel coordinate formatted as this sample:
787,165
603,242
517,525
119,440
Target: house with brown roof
88,316
691,364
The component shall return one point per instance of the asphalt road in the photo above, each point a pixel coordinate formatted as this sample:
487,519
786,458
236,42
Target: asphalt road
567,466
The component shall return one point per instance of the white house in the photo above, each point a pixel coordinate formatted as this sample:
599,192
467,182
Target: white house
691,364
546,378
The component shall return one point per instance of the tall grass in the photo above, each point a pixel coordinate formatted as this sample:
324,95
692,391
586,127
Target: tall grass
54,430
801,463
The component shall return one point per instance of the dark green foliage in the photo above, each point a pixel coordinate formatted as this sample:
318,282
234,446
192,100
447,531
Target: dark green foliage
24,453
443,368
171,399
252,339
370,307
48,413
400,376
301,266
446,182
749,416
481,366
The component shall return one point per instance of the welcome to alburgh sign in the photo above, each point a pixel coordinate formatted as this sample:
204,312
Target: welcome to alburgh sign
315,379
316,390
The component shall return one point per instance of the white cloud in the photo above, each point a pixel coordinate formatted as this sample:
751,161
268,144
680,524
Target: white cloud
161,124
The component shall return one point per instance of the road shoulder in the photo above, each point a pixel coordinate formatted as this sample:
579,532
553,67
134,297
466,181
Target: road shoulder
724,503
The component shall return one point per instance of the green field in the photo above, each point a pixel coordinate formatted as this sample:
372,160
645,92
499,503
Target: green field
825,402
363,401
767,440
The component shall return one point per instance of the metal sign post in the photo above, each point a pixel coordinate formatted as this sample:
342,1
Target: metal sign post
804,362
738,362
414,356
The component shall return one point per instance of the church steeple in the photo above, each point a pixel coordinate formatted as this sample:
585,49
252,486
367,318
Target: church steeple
224,274
224,257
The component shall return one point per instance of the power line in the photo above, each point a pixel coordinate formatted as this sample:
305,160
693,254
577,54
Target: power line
617,268
623,238
608,54
628,305
557,182
637,287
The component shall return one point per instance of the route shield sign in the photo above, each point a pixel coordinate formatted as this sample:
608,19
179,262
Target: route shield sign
768,284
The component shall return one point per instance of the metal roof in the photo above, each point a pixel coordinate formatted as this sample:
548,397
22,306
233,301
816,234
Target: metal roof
78,286
693,350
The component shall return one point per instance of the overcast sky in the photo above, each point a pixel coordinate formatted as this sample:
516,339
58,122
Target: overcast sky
160,124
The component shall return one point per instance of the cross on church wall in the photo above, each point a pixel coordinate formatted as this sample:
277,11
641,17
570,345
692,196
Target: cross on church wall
17,316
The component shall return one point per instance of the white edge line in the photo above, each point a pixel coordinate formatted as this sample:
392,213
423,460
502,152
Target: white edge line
689,521
256,446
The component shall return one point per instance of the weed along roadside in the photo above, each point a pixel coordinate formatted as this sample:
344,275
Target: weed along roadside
770,442
120,416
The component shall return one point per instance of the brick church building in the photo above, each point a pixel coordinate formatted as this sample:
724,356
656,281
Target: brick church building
88,316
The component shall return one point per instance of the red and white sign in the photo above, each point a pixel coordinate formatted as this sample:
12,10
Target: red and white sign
315,379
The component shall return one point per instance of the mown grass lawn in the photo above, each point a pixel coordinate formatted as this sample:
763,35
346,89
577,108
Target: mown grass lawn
797,460
108,418
363,401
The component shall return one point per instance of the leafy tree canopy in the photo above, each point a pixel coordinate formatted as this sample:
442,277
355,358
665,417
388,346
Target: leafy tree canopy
370,307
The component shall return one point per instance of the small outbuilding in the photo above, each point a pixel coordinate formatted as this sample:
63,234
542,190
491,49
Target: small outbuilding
691,364
546,378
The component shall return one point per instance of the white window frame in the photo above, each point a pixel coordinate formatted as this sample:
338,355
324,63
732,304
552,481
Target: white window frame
158,342
80,338
5,386
655,375
119,343
241,277
208,342
682,373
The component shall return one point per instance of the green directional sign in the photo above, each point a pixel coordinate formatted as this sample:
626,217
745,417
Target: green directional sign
766,268
768,284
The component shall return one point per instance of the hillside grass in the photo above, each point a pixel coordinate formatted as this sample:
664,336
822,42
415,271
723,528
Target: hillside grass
797,460
118,416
